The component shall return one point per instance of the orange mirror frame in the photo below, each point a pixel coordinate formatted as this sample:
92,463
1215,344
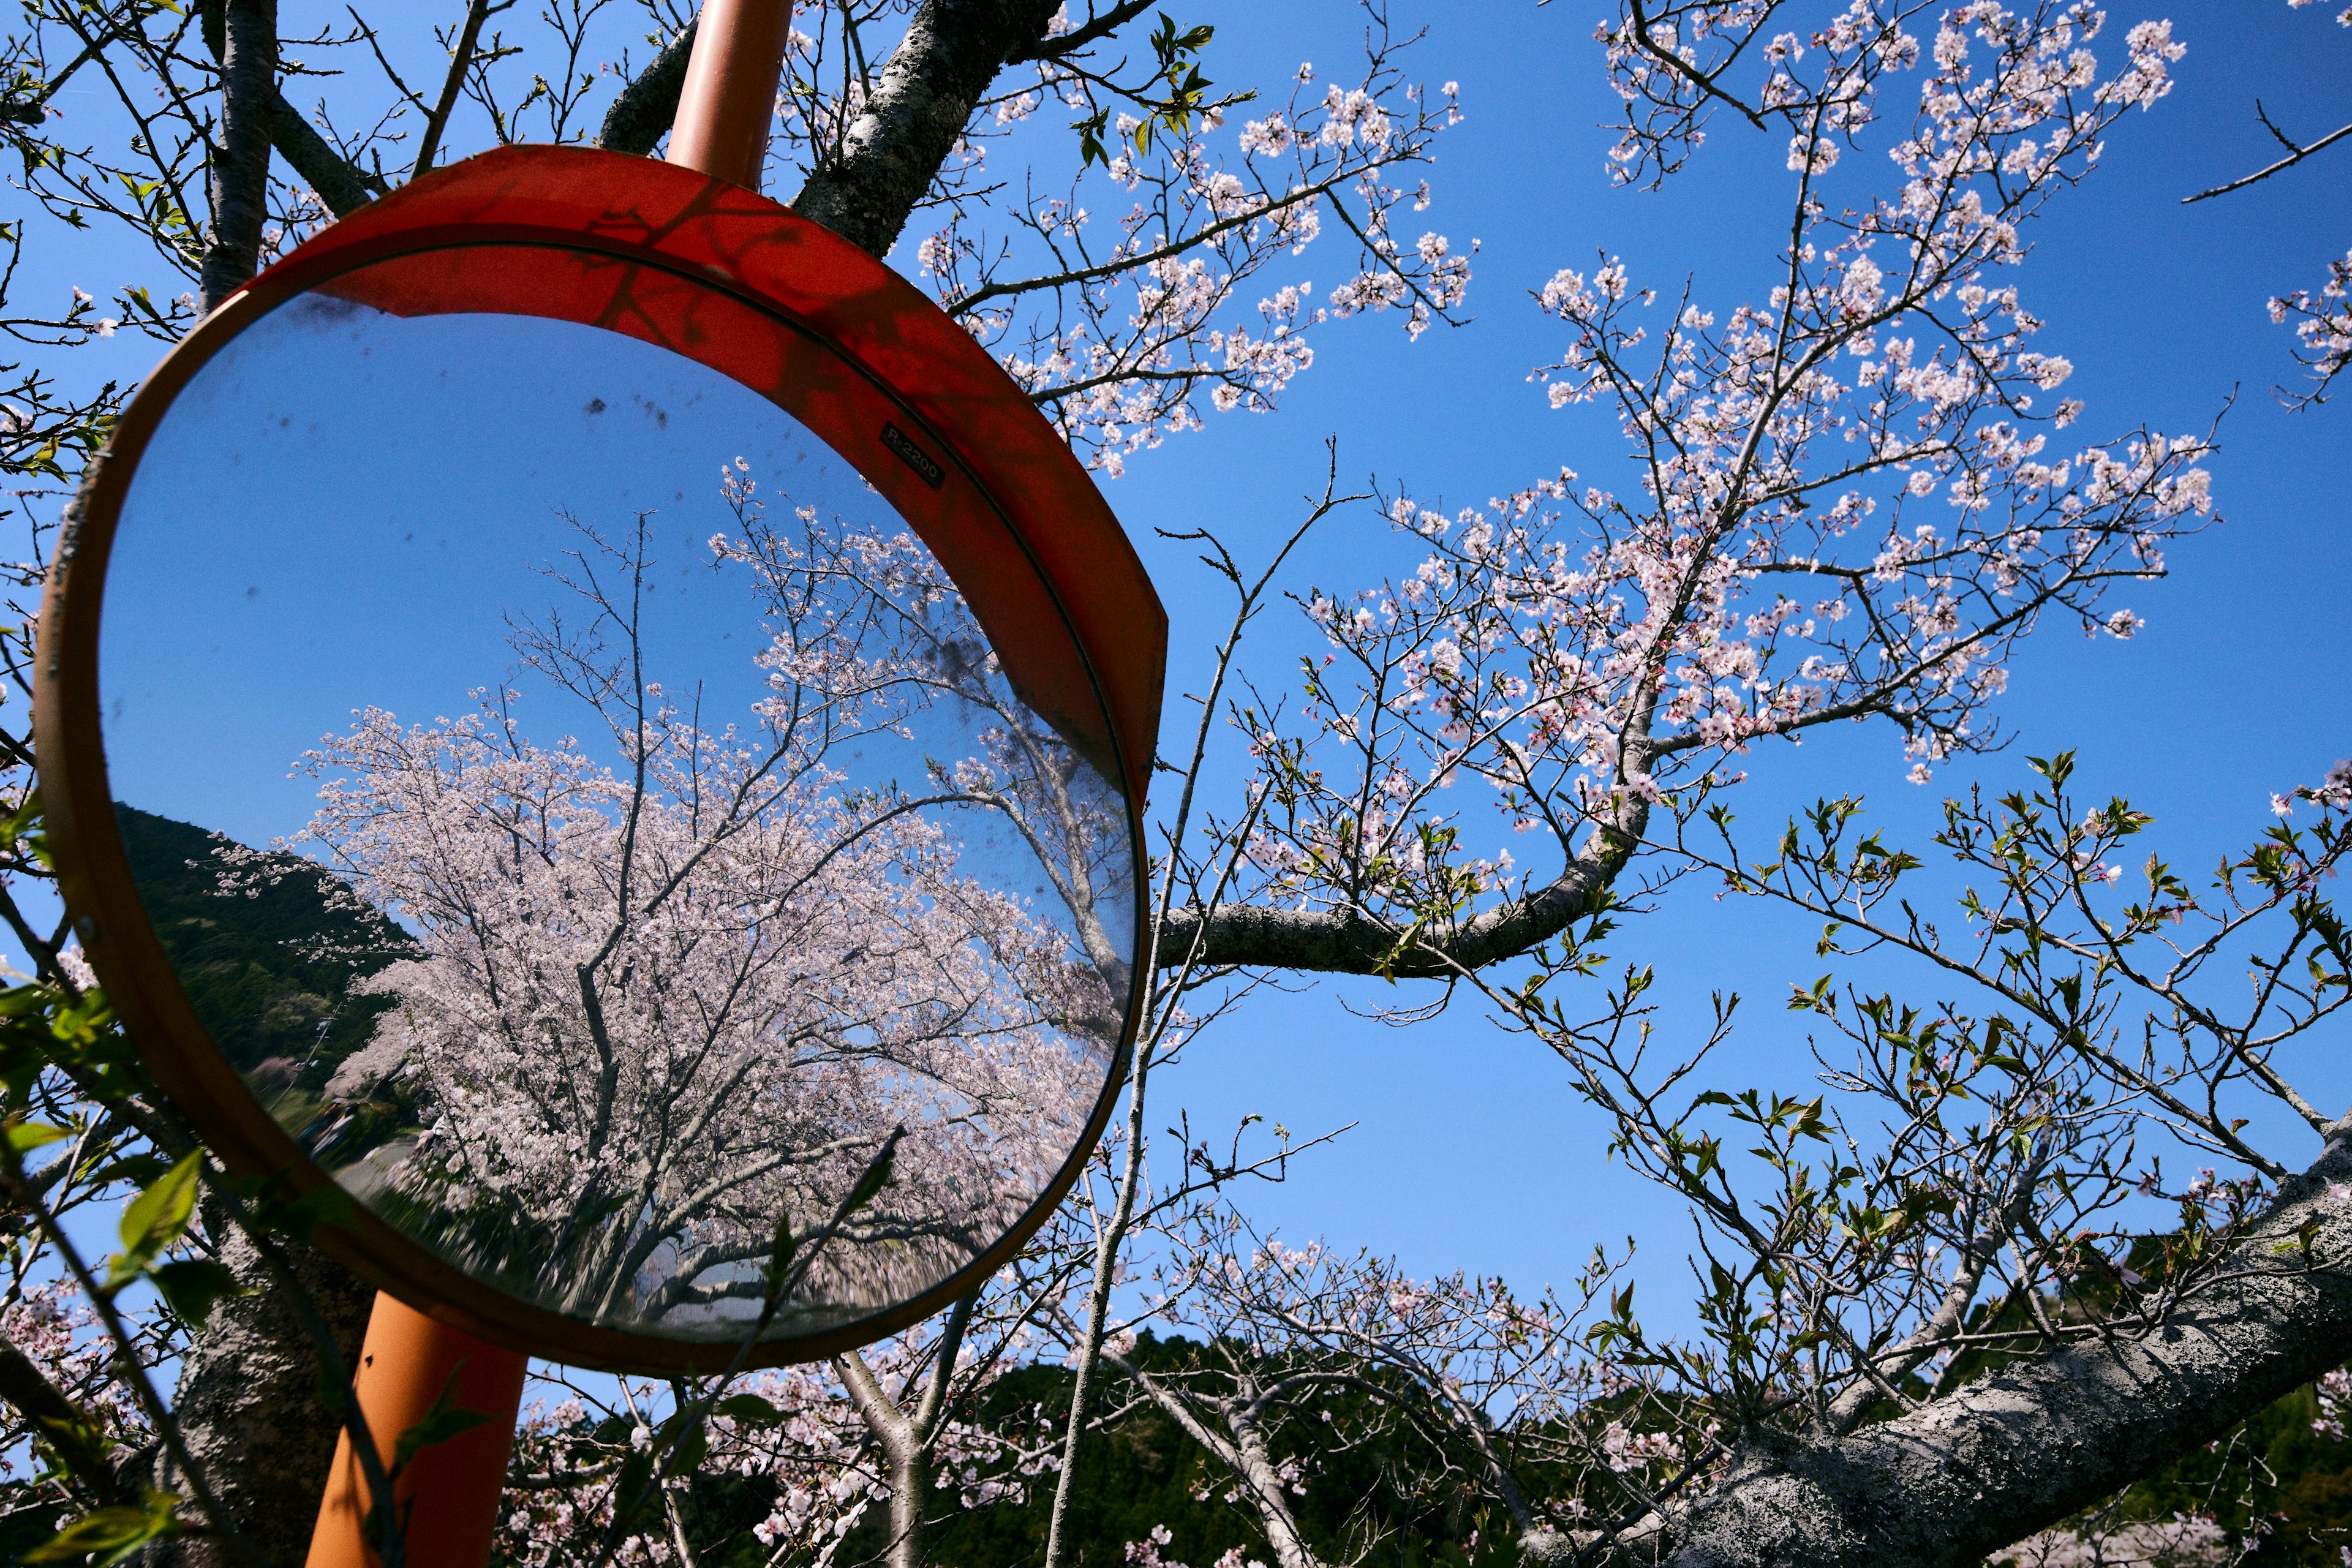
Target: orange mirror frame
727,277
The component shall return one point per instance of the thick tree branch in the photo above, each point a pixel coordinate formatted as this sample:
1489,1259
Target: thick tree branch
240,160
641,116
905,1437
343,185
1349,942
2018,1451
921,102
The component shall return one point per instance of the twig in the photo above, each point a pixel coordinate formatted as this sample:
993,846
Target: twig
461,60
2296,154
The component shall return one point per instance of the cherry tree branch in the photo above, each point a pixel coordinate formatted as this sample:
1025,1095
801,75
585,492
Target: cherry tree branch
1705,81
1092,31
2297,154
461,61
892,149
2017,1451
1349,942
240,158
641,116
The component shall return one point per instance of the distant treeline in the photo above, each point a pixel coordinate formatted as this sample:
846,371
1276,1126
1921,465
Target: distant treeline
267,952
264,949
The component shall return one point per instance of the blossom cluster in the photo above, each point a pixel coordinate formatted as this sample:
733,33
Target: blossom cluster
1852,499
2323,327
1126,342
654,1003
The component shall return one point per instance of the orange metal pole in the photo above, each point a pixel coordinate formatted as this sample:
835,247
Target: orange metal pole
730,96
449,1493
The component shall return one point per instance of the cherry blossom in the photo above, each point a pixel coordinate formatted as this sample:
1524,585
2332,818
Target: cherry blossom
1851,500
663,1002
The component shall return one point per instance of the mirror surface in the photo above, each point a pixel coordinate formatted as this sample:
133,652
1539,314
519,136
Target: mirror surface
591,822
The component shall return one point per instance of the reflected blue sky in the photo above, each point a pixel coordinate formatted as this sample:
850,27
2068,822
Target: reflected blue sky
347,508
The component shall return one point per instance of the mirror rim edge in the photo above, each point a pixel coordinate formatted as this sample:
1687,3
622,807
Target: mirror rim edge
140,980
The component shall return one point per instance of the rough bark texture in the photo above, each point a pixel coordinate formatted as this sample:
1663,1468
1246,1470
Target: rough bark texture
343,185
2016,1452
641,116
1346,942
249,1403
240,161
922,101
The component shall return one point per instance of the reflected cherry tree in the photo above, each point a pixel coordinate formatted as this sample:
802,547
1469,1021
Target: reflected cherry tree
675,985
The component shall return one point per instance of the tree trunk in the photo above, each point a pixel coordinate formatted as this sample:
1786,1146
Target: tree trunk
240,160
1263,1478
904,1437
249,1405
921,102
344,187
910,1500
2015,1452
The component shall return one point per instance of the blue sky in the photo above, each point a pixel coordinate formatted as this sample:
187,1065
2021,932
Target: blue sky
1469,1149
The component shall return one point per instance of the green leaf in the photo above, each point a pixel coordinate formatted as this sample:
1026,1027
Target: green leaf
153,1220
325,1204
635,1471
877,1177
156,1217
76,1441
116,1532
192,1284
780,1256
691,1451
26,1136
441,1422
751,1408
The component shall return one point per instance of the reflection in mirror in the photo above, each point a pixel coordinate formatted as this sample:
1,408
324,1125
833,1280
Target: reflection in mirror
592,822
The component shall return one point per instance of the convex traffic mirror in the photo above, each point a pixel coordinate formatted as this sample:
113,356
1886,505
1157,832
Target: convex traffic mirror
577,708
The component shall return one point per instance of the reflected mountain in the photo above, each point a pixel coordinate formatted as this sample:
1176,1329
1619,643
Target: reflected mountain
268,960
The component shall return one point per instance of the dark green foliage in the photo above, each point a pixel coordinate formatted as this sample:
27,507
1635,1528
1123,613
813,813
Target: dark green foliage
1143,1471
36,1523
2284,1488
269,966
1139,1472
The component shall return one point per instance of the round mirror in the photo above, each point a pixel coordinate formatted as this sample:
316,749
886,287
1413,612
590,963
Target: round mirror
605,806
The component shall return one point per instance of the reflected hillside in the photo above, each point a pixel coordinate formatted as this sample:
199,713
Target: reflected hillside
268,959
